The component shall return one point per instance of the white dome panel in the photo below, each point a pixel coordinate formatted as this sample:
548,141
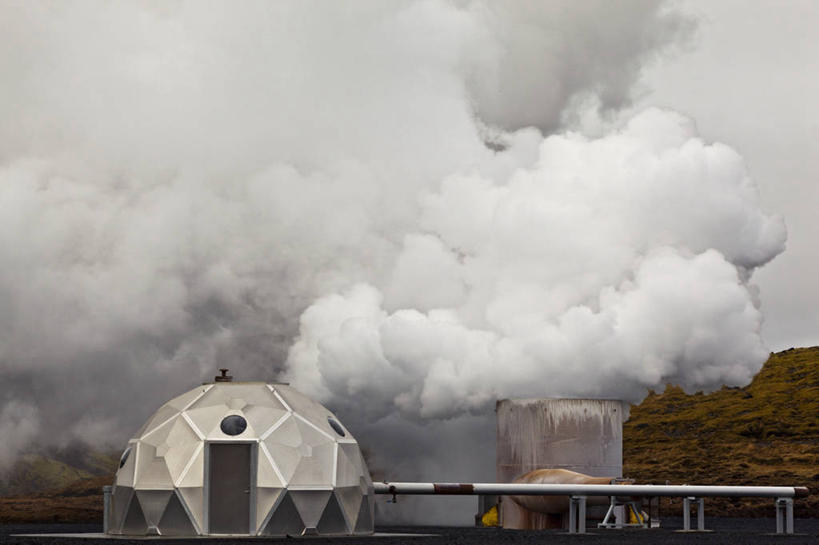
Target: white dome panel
265,473
182,443
207,419
349,498
310,504
284,519
266,498
180,403
151,471
263,418
153,503
193,497
160,417
215,395
175,520
194,471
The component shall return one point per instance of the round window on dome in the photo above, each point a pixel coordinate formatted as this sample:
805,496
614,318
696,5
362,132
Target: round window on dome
336,426
124,457
233,424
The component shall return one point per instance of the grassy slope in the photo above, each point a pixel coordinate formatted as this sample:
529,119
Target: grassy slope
34,473
58,486
766,433
52,470
81,501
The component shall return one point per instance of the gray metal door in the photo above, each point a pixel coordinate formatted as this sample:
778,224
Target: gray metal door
229,502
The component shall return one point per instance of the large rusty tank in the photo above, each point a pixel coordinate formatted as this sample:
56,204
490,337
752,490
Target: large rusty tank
583,436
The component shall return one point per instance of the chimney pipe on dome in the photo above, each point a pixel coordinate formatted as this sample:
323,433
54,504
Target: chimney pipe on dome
224,377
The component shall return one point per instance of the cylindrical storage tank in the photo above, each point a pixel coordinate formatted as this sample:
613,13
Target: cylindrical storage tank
582,435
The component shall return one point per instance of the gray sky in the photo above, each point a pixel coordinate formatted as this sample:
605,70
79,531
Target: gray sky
751,80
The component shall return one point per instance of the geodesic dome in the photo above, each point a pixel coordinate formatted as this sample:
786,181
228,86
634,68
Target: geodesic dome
242,458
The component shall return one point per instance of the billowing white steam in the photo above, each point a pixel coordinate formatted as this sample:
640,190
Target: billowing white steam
19,425
596,267
382,194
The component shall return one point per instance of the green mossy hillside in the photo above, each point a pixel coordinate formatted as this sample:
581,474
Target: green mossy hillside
766,433
37,472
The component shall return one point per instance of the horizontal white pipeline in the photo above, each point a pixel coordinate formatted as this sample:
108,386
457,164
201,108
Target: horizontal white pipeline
645,490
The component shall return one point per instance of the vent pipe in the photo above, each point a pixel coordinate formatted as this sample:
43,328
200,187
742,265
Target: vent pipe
224,377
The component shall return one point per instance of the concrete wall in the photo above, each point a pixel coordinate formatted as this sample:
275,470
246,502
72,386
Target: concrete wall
583,435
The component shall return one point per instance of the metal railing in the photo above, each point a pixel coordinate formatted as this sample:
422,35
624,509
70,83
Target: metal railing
577,493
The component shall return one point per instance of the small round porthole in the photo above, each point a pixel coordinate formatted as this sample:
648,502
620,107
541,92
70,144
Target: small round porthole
336,426
124,457
233,424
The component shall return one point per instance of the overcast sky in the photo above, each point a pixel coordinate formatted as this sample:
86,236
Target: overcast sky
751,79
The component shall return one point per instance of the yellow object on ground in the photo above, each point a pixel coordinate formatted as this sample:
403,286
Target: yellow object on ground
490,518
634,517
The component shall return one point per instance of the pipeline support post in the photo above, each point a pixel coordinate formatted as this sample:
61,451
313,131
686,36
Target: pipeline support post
784,515
577,515
609,514
687,513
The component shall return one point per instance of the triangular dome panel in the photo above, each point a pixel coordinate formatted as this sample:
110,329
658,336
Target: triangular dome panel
286,459
310,504
266,475
215,396
164,413
151,471
266,498
307,408
315,466
195,473
310,434
364,524
285,519
206,419
349,498
182,443
262,418
175,520
153,503
194,500
157,435
181,402
348,470
120,500
135,520
332,520
287,434
257,394
283,445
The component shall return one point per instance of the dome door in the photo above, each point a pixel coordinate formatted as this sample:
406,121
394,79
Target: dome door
229,494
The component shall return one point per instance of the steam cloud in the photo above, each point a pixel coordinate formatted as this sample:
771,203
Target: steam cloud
599,269
400,200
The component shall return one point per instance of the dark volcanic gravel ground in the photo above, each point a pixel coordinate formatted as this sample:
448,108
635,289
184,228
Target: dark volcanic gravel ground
726,530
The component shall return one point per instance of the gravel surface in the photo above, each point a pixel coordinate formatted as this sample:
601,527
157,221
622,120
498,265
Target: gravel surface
726,530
